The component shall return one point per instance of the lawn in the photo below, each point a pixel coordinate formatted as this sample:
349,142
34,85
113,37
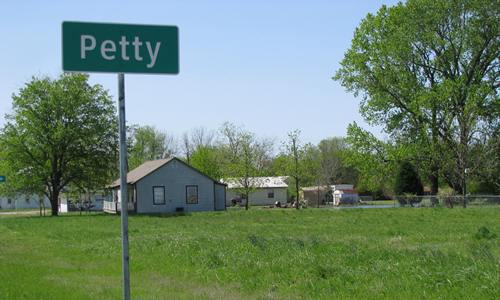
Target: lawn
397,253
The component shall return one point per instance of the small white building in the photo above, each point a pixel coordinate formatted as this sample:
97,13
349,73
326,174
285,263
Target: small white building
344,194
267,190
333,194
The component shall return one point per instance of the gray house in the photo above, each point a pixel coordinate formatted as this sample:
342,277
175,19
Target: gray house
168,185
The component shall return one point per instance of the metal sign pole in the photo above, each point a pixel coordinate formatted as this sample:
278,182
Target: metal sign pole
81,54
123,186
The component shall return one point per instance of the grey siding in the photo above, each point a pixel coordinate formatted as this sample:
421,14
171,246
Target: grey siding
174,176
220,196
259,196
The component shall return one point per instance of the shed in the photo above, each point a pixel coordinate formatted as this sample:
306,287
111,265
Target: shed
344,194
313,194
168,185
334,194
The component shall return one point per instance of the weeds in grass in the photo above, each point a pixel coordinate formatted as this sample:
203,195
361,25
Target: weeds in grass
484,233
258,242
257,254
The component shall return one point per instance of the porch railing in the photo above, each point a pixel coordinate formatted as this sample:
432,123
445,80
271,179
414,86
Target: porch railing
114,207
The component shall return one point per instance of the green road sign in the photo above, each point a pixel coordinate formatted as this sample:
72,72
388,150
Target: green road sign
120,48
2,178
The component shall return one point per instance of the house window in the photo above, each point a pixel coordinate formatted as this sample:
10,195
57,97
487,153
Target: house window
270,194
9,201
158,195
191,194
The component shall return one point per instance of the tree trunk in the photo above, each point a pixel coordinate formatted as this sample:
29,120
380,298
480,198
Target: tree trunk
463,160
434,177
42,199
246,203
464,200
54,202
297,191
317,198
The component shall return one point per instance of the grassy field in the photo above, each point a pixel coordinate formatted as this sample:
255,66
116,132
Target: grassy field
399,253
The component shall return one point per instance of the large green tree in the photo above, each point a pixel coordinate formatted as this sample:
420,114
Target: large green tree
61,132
428,71
196,138
333,168
243,158
373,159
148,143
208,160
485,175
296,163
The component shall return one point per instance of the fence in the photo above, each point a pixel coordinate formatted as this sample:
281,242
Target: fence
448,201
114,207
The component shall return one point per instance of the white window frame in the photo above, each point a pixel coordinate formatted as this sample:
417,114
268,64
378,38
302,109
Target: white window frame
159,202
197,194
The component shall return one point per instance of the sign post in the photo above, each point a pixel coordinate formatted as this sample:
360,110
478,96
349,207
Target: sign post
123,186
120,48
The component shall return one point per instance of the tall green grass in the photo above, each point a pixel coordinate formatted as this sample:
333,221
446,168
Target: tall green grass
257,254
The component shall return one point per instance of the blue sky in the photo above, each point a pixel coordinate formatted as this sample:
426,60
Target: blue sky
266,65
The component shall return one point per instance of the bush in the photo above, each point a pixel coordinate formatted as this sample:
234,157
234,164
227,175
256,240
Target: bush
408,181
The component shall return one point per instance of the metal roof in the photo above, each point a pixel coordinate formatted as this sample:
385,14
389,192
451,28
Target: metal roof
259,182
315,188
335,187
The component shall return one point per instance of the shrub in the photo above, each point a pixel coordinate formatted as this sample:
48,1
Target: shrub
407,180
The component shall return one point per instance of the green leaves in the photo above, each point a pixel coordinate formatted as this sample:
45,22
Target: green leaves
60,132
243,157
207,159
427,70
149,143
408,180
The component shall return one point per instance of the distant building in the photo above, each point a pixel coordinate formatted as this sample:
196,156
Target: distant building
313,194
333,194
168,185
344,194
92,202
22,201
267,191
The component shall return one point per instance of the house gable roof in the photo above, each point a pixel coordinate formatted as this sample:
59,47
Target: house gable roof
142,171
149,167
